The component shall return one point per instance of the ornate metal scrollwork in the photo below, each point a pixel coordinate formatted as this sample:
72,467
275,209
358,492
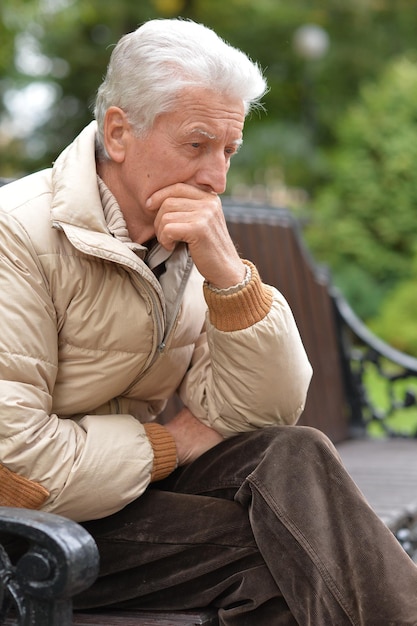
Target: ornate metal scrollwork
364,355
12,597
56,559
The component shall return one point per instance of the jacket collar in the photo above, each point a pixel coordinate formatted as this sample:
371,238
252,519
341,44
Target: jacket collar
76,197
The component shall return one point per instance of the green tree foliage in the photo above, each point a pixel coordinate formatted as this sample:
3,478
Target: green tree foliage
396,321
364,219
70,42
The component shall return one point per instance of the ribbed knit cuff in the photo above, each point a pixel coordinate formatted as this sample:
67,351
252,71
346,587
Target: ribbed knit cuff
16,490
239,310
164,450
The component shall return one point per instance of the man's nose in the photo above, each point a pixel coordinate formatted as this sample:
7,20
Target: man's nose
213,174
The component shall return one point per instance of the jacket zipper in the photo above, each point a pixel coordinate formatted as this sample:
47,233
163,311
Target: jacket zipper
177,304
157,314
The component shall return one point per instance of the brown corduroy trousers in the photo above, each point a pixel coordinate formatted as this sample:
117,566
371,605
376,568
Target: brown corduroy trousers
269,528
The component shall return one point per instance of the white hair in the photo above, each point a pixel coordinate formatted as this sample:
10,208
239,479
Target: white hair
150,66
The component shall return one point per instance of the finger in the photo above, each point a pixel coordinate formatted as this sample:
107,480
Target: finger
170,232
184,211
178,190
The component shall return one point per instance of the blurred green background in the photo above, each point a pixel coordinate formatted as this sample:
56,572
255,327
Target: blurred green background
337,144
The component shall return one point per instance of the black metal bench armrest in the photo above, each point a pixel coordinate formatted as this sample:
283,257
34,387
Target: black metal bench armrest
59,560
361,349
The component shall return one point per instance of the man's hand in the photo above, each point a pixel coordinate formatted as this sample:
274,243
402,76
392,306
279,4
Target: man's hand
192,438
186,213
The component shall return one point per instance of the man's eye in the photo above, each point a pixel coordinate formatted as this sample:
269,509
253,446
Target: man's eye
195,144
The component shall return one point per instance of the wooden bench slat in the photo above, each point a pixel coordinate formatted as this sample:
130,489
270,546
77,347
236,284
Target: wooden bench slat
147,618
386,473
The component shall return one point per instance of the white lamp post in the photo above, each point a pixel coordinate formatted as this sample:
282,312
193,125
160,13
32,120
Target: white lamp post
311,43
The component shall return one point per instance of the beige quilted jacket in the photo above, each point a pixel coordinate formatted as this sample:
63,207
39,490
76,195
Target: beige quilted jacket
92,345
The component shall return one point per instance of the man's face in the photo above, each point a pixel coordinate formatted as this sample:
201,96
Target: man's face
192,144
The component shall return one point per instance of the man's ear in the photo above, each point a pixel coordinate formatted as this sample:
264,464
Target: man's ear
116,131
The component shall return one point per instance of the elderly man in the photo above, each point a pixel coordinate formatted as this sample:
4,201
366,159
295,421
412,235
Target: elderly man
122,286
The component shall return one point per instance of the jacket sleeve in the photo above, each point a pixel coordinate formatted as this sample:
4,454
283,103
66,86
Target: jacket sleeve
250,369
83,468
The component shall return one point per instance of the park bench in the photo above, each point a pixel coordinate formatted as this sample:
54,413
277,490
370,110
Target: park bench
61,557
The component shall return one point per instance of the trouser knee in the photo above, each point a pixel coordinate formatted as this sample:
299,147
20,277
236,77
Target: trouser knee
302,440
